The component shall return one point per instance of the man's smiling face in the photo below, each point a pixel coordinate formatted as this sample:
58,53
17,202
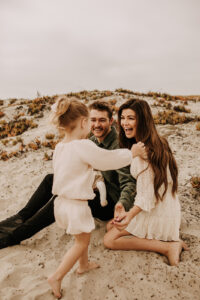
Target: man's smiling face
100,123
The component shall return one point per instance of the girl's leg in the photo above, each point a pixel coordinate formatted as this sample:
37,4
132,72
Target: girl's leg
114,239
85,265
73,254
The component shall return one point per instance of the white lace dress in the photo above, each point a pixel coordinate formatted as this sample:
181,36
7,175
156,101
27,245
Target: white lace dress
157,220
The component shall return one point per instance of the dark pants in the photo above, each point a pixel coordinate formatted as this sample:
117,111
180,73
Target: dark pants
39,211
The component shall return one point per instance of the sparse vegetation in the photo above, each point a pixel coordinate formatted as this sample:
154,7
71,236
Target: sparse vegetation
23,102
195,182
47,156
16,117
12,101
50,144
2,114
33,146
162,103
14,142
198,126
5,142
171,117
181,108
167,105
124,91
50,136
5,156
14,128
112,102
37,107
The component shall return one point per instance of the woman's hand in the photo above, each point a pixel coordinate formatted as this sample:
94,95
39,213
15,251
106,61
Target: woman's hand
128,216
139,150
122,223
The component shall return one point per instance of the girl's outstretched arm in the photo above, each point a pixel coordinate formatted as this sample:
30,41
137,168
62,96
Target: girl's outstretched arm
139,150
103,159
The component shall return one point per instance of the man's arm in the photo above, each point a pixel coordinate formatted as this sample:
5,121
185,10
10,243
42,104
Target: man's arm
127,188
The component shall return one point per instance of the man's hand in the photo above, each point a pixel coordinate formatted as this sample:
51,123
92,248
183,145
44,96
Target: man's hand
139,150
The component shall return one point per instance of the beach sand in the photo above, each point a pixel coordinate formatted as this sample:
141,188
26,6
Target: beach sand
124,275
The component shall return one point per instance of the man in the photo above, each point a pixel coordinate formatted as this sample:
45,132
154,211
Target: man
38,213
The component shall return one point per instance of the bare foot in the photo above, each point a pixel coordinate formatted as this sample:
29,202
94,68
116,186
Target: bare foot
90,266
174,252
56,286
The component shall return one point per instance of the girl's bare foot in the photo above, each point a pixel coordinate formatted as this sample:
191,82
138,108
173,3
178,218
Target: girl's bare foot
90,266
56,286
174,252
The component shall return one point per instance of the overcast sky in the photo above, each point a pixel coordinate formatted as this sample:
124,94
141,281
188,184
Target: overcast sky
58,46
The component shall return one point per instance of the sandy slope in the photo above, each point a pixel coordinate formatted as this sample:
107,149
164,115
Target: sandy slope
123,275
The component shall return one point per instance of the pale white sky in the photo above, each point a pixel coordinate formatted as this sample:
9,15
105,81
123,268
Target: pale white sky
58,46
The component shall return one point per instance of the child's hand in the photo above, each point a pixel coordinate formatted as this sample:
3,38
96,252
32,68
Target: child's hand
139,150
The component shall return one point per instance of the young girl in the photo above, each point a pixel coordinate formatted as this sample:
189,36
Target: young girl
73,162
154,220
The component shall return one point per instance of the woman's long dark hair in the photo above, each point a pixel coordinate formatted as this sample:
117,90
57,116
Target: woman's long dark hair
158,150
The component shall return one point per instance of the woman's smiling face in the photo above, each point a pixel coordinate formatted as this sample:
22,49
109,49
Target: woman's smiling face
129,122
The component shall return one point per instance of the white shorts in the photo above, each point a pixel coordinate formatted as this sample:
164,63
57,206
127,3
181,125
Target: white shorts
73,215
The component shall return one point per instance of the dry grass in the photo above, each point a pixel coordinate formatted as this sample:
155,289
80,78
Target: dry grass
50,144
49,136
37,105
16,127
198,126
16,117
195,182
5,155
5,142
171,117
125,91
47,156
34,146
12,101
162,103
2,114
181,108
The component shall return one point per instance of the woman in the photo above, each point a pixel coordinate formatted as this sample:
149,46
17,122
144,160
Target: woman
154,220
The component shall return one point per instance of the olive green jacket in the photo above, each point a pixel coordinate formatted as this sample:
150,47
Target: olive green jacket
120,185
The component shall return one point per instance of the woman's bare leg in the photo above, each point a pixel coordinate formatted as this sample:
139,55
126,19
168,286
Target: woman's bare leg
109,225
115,240
73,254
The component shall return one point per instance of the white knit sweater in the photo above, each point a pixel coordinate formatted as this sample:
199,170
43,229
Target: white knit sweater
73,165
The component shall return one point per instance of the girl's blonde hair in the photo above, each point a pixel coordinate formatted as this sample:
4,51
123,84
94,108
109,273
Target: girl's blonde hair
66,111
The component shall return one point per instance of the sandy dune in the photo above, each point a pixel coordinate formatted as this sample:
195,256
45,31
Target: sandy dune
123,275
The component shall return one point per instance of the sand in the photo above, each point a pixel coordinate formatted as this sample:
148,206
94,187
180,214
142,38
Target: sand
124,275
